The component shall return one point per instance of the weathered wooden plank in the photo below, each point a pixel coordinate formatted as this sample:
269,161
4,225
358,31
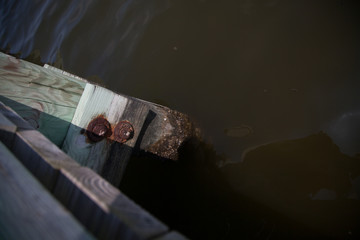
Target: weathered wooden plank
45,98
40,156
102,208
71,77
97,101
136,113
7,130
6,125
35,151
112,215
173,235
27,210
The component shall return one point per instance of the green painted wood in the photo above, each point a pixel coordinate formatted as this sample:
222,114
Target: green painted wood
69,76
27,210
106,157
47,99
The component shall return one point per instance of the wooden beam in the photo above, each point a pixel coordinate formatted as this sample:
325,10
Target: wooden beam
167,132
35,151
7,130
107,157
27,210
6,125
99,206
61,105
45,98
173,235
112,214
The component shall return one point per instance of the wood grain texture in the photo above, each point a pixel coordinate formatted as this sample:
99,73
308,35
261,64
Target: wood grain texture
6,124
173,235
113,170
45,98
27,210
41,156
7,130
94,101
99,206
97,101
35,151
102,207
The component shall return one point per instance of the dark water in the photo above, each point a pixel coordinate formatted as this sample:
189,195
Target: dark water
274,85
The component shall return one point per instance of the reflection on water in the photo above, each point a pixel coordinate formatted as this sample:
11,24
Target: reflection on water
253,74
344,130
94,37
24,23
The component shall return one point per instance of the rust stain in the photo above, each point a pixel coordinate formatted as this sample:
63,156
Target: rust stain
123,131
98,129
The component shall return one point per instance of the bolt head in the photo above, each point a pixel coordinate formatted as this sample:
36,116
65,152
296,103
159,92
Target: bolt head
123,131
98,129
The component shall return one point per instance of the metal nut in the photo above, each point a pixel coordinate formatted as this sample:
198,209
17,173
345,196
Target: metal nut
123,131
98,129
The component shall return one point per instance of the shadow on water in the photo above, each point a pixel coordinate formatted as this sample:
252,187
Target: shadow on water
295,189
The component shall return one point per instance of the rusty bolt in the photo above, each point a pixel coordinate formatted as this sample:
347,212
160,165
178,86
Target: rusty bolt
98,129
123,131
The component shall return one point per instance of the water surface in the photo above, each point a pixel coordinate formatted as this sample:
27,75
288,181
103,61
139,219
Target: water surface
274,85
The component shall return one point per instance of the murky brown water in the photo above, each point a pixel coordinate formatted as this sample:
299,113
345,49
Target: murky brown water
249,73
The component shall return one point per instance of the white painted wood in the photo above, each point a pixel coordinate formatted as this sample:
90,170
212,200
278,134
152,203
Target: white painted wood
97,101
94,101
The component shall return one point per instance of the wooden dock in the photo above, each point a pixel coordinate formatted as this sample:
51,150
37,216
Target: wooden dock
48,137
